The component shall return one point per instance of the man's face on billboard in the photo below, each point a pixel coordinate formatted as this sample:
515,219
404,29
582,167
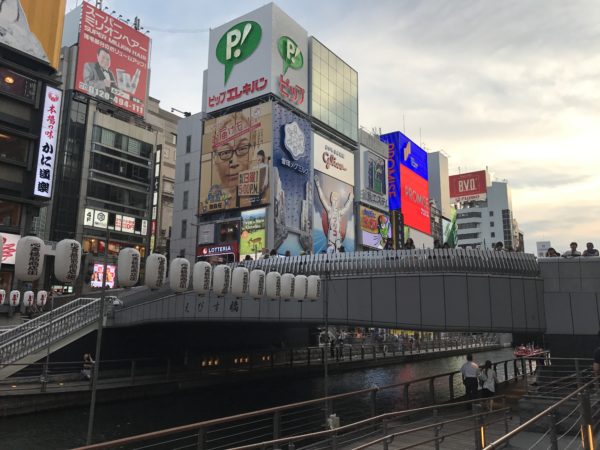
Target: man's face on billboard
104,59
232,156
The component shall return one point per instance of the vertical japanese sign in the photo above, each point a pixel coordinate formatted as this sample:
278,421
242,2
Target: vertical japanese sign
113,60
253,233
47,148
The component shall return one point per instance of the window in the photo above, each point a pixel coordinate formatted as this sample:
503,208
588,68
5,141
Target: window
13,148
10,214
185,199
173,139
184,229
493,234
491,224
468,236
491,213
376,173
188,143
186,172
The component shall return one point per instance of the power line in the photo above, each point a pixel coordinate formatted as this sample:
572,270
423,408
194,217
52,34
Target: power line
178,30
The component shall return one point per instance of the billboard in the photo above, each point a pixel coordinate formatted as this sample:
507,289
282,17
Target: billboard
450,229
262,52
33,27
47,150
236,156
402,152
112,61
415,200
292,182
333,215
375,228
468,187
253,233
9,247
333,160
98,274
373,179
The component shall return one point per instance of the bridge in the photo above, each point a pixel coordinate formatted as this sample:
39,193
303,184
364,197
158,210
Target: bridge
441,290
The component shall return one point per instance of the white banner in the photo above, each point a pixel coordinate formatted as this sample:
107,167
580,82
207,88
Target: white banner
333,160
47,149
100,219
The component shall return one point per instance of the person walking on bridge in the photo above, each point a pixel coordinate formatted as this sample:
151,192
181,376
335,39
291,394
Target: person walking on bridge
470,375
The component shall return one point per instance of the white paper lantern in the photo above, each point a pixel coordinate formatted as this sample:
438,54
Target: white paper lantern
179,276
239,281
15,298
202,275
273,282
257,283
314,288
2,296
128,267
156,271
221,279
28,298
300,287
288,282
41,298
67,261
29,258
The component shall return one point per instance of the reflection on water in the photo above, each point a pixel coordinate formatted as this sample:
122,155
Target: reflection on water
67,428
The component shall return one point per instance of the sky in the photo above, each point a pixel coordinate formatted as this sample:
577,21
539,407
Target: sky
513,86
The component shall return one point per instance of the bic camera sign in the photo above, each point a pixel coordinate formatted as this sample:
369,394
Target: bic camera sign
241,40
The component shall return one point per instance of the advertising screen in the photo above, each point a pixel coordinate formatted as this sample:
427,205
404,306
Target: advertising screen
450,229
292,182
262,52
415,200
375,228
236,156
33,27
333,160
333,215
373,179
113,60
9,247
467,187
253,233
98,274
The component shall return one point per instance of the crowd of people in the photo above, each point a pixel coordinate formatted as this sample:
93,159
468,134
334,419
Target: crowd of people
573,252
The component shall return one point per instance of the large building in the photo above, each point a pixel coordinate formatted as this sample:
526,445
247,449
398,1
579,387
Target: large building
30,109
485,212
270,163
117,147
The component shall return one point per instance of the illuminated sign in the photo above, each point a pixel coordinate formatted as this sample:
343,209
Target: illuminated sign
9,247
220,249
333,160
375,227
47,148
415,201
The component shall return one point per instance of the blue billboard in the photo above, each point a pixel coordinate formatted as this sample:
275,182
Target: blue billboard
402,151
292,182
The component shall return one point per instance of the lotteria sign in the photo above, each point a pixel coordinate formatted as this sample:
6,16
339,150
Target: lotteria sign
220,249
259,53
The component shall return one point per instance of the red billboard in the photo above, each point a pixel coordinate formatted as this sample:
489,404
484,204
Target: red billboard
415,200
468,187
112,62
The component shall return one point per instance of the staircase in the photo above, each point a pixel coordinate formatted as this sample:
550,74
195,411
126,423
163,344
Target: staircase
29,342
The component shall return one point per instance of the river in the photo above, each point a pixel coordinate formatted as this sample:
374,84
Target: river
63,429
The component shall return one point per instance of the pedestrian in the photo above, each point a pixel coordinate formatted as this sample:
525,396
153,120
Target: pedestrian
470,374
488,380
551,253
590,250
409,244
248,258
288,253
330,248
88,365
499,247
342,249
573,252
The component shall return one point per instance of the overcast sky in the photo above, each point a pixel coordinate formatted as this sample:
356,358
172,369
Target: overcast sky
511,85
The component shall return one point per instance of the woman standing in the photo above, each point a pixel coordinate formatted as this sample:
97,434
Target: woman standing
488,380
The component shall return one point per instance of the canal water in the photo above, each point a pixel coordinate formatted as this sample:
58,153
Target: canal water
67,428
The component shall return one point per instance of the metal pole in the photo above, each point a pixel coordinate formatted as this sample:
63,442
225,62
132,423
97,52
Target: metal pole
96,365
45,373
327,343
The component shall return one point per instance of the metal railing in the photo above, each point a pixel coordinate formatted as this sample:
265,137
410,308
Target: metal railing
571,422
47,329
310,416
401,261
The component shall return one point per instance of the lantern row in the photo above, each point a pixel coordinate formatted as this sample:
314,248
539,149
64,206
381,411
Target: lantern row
239,281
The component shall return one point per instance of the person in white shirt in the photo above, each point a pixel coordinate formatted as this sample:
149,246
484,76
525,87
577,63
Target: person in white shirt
470,374
488,380
573,252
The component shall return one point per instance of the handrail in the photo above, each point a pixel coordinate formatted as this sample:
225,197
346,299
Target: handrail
277,409
83,312
539,416
403,261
